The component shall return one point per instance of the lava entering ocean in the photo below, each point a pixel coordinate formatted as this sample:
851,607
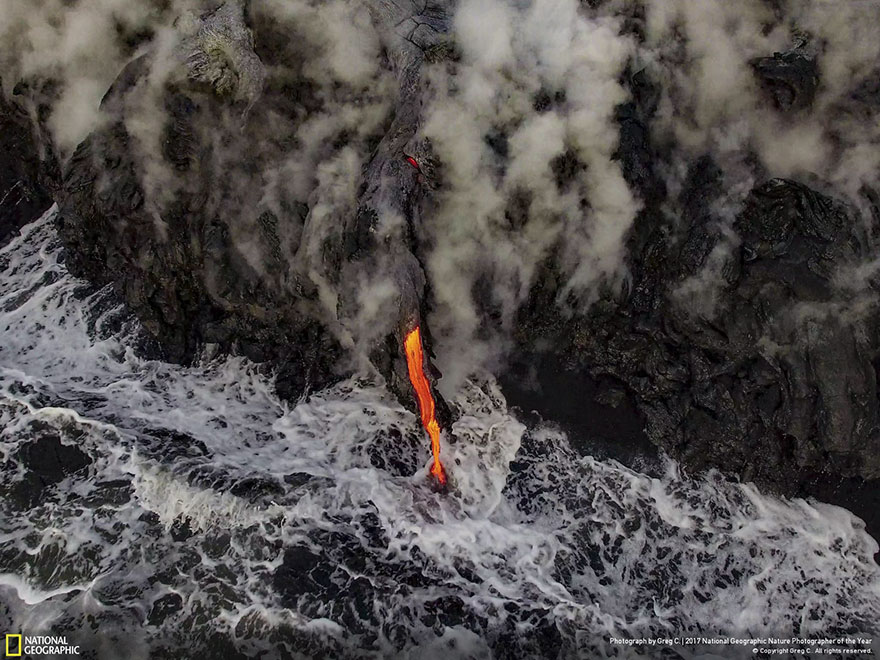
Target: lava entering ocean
414,362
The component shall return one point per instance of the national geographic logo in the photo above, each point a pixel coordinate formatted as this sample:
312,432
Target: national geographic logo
13,646
18,645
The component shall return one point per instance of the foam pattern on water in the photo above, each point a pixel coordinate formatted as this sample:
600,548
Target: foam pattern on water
202,517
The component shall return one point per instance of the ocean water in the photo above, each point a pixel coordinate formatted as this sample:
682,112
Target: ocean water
152,510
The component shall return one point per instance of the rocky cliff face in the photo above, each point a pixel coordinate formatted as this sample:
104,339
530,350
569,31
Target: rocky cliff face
155,204
778,379
751,346
29,173
739,342
180,202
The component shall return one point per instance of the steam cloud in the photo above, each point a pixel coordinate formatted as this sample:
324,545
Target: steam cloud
499,143
522,122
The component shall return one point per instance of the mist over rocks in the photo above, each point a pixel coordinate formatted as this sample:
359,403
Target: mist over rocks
678,202
777,382
181,199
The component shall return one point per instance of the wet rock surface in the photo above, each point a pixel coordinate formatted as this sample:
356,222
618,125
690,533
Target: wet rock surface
47,461
27,171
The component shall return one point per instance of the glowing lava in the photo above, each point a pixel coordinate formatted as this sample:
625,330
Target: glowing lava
414,362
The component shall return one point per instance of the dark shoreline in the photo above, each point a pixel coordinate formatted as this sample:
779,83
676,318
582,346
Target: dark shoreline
601,420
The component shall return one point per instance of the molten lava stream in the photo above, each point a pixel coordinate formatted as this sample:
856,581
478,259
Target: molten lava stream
414,362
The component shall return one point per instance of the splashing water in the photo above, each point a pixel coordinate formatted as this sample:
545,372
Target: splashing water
414,362
202,517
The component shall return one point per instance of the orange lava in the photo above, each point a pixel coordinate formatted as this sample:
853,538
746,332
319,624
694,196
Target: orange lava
414,361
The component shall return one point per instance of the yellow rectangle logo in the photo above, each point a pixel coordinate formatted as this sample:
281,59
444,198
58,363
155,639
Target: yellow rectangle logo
9,653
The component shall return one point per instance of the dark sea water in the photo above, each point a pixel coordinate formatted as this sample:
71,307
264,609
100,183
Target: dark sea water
150,510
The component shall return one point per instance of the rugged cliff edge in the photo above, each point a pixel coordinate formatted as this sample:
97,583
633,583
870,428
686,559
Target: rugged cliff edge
29,173
753,351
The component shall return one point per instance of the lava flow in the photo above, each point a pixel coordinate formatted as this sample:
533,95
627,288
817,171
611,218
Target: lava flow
414,362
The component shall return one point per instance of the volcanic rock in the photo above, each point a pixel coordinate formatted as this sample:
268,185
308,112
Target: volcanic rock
28,170
187,238
47,461
790,79
168,230
756,355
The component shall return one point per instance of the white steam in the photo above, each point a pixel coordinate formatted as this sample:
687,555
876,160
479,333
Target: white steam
522,121
511,53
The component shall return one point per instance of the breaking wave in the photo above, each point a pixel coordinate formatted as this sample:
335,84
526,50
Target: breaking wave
196,515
